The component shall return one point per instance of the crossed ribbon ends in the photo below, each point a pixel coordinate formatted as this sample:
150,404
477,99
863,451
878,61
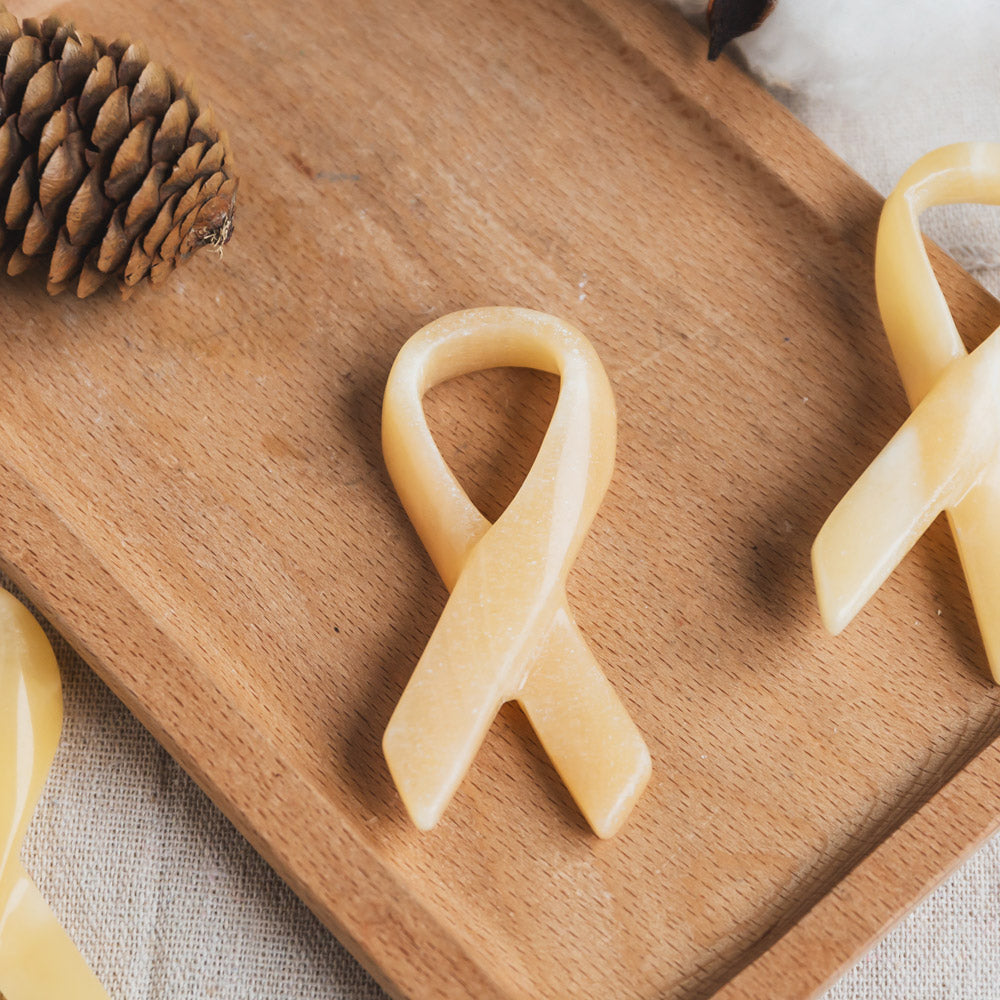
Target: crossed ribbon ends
506,632
37,959
946,456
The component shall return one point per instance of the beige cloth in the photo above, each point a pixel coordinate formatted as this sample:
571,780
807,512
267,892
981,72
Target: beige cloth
168,902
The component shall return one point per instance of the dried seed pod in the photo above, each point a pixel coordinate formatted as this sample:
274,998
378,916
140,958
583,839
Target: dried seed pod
728,19
109,166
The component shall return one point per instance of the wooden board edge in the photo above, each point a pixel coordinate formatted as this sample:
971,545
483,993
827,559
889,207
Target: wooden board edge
758,127
954,822
672,54
404,945
880,890
937,838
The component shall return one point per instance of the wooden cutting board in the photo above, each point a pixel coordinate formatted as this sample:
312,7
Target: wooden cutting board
193,492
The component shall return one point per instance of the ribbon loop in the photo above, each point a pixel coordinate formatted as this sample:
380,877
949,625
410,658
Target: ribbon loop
37,959
506,631
946,456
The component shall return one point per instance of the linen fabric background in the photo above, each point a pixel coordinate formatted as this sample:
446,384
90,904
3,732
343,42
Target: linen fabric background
167,900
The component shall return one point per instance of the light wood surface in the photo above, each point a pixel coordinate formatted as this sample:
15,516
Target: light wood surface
192,490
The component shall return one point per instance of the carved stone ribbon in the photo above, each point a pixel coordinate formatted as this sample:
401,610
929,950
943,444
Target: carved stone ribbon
506,632
947,454
37,960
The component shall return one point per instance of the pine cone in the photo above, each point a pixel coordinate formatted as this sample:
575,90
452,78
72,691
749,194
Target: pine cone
108,167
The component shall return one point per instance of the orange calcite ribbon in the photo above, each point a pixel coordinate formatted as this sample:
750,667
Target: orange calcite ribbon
37,960
506,632
947,454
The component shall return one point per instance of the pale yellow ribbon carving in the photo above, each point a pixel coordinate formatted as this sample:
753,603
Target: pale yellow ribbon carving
947,454
37,960
506,632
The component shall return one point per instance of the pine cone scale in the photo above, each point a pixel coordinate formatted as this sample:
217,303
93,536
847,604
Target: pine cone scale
66,258
37,234
168,143
25,57
56,129
75,65
138,265
153,240
189,199
145,202
114,248
10,31
151,95
131,163
113,122
21,198
99,85
61,177
42,96
172,241
133,62
90,281
88,211
11,150
19,263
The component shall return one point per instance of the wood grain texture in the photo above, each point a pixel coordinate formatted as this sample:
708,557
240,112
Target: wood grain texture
193,493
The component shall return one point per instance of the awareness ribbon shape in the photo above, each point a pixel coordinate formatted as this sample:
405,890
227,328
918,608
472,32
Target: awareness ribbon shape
946,456
506,632
37,959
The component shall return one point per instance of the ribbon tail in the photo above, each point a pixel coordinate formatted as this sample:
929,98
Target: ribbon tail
431,741
569,702
472,664
889,507
975,524
38,961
